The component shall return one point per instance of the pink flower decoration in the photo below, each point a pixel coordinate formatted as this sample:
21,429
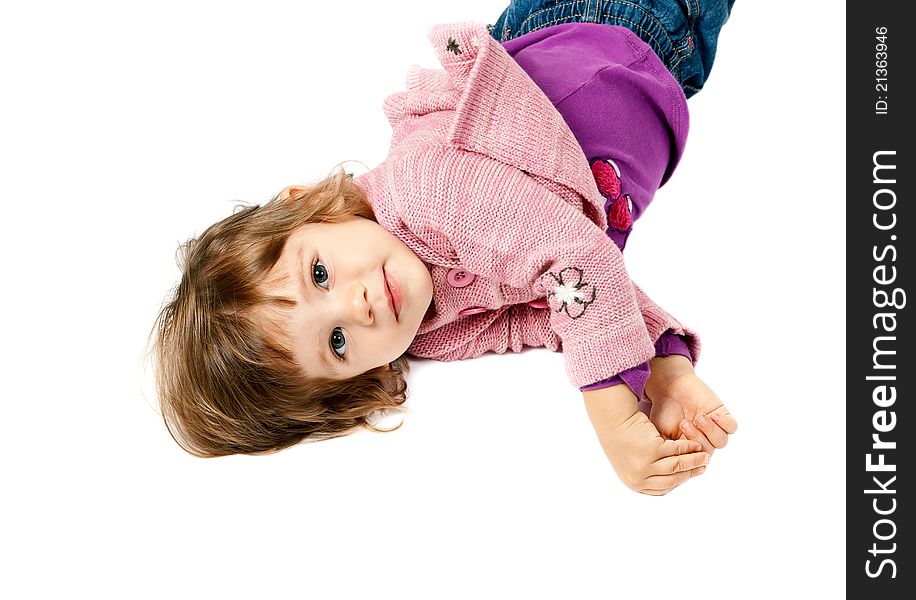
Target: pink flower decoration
607,176
570,293
619,216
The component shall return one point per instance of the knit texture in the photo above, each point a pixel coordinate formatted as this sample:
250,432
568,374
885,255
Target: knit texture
484,175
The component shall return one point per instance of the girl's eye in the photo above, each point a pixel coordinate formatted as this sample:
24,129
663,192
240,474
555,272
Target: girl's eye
320,274
338,343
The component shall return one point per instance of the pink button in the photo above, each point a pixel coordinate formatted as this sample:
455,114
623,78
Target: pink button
538,304
460,278
474,310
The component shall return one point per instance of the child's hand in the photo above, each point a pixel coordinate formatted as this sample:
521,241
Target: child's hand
642,458
683,406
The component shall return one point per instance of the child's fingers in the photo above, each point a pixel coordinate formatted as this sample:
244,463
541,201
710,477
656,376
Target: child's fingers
672,471
679,446
680,464
715,434
694,434
661,484
724,419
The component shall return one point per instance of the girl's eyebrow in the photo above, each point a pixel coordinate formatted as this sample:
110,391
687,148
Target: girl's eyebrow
299,273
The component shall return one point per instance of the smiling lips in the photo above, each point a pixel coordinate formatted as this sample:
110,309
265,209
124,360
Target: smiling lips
395,298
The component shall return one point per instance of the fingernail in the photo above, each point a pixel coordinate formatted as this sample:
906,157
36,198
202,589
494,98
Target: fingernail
715,417
685,425
701,470
706,460
701,420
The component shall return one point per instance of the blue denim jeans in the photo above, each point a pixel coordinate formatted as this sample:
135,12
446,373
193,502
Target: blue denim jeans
682,32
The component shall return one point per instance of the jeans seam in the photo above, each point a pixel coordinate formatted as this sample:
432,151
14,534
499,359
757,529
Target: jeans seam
534,14
682,53
647,14
549,23
679,61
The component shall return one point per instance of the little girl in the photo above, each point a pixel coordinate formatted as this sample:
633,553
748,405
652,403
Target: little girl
497,222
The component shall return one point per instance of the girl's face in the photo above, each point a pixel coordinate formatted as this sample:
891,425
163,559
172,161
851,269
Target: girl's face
360,296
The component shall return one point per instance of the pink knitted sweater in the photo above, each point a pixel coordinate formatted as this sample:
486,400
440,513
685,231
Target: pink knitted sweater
488,186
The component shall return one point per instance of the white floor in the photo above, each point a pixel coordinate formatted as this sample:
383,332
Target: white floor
126,130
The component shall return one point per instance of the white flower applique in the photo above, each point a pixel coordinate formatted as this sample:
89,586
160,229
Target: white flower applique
570,294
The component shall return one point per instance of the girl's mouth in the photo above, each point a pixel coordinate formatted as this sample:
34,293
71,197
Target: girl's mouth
395,297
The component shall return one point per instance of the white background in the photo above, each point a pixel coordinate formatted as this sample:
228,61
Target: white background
126,128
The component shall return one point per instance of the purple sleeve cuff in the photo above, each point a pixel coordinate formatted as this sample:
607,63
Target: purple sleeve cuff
634,378
671,343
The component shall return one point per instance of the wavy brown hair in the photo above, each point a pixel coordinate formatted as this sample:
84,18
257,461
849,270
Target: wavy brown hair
225,384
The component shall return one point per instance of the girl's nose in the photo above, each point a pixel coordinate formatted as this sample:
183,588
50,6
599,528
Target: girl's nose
358,307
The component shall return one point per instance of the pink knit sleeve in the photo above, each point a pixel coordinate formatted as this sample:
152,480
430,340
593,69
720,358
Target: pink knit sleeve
520,326
658,322
503,225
